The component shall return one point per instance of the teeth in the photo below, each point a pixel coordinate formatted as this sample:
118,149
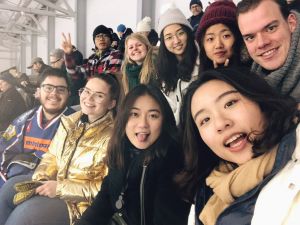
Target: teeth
233,138
268,52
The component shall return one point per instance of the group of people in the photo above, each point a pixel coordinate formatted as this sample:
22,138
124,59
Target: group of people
210,118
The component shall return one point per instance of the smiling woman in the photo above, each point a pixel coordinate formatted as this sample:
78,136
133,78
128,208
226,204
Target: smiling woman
234,126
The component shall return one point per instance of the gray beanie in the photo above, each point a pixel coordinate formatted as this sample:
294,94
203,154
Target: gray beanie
172,16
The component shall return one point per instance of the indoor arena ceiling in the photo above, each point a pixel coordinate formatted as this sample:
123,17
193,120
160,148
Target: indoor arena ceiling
20,18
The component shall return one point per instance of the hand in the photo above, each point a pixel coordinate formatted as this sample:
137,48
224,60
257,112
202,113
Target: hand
47,189
66,44
24,83
226,63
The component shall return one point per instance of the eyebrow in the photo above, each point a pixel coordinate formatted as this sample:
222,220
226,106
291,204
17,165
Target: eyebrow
175,31
222,31
99,92
217,99
151,110
269,24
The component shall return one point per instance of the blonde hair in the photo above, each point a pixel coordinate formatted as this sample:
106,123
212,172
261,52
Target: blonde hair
148,68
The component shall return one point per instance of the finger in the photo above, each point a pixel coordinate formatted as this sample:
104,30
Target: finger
69,36
226,62
215,64
64,36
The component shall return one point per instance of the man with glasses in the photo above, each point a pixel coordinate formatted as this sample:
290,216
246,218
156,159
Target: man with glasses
29,136
104,60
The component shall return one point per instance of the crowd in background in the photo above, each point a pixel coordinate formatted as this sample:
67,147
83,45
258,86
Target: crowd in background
201,112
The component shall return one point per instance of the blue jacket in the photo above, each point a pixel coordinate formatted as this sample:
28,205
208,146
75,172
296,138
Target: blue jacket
11,147
241,211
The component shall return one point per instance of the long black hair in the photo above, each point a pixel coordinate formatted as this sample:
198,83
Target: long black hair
119,141
169,68
280,113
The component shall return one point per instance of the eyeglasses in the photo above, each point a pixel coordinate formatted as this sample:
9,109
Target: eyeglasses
98,36
178,34
96,95
55,61
48,88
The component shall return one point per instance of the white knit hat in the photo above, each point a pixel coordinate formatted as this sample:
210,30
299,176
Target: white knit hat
144,25
172,16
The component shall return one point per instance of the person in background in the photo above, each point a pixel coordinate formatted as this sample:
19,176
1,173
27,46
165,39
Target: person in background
72,170
178,61
126,33
115,39
273,42
139,62
37,65
219,38
57,60
144,27
197,10
121,28
143,154
237,133
11,102
28,137
104,60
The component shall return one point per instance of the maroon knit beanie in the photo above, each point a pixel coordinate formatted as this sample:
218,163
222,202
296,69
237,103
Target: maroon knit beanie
217,12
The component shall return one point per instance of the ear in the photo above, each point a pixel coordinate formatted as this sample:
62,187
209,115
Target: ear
292,22
112,104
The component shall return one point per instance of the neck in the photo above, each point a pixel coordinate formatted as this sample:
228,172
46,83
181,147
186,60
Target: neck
50,116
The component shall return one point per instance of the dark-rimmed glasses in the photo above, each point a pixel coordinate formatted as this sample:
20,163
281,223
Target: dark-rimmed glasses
49,88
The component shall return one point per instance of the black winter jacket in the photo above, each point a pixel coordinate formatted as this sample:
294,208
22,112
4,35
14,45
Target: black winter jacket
162,204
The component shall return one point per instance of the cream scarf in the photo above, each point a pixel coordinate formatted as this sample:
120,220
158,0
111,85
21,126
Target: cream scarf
229,183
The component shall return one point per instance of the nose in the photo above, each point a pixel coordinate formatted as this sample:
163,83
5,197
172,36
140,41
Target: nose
262,41
222,123
176,39
219,43
143,121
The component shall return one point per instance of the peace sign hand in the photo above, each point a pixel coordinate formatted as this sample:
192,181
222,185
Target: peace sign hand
66,44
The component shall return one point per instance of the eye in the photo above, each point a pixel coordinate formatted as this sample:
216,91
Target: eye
227,36
271,28
168,38
204,121
154,115
249,38
209,39
180,33
230,103
133,114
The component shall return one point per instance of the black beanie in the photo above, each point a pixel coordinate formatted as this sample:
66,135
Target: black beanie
103,30
198,2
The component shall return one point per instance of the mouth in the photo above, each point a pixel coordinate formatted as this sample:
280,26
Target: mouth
220,54
88,105
142,136
53,100
269,53
235,140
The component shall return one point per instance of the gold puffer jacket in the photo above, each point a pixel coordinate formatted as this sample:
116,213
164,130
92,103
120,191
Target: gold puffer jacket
75,161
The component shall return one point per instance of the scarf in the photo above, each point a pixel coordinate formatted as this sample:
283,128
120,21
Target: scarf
286,79
133,75
229,183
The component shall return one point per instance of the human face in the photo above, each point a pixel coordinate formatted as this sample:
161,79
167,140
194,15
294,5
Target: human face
36,67
136,50
56,62
225,119
102,42
53,103
267,39
4,86
218,43
196,9
90,104
175,39
144,123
